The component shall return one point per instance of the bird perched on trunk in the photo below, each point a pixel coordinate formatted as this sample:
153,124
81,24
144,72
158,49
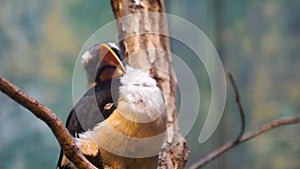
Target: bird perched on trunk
132,133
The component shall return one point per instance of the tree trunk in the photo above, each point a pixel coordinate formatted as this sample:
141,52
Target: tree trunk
144,43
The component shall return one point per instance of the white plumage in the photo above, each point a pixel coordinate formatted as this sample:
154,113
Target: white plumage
86,57
144,101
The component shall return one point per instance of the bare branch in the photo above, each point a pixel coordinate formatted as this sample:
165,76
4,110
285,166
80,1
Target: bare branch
45,114
272,125
238,101
243,137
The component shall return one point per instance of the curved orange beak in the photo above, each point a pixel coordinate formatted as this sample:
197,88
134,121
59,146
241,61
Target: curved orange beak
108,56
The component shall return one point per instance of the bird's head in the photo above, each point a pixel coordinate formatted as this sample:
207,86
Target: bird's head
137,95
102,62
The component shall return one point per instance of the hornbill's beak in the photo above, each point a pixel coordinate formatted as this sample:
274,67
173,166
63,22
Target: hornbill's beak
109,57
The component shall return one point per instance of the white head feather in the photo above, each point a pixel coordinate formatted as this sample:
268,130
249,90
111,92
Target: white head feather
144,101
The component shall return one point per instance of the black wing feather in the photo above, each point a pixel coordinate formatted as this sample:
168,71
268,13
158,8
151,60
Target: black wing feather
89,111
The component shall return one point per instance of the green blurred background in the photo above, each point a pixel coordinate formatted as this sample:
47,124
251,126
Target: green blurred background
258,40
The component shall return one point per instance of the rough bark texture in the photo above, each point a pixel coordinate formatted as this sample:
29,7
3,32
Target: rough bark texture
144,42
44,113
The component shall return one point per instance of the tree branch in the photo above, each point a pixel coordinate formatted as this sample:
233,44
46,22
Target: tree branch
243,137
62,135
239,103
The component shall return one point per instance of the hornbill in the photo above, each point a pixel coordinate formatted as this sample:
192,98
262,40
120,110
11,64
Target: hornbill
107,132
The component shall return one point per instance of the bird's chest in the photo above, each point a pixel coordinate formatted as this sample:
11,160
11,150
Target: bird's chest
127,144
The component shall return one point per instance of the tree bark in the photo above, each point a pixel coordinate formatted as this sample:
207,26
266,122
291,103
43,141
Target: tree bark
144,43
62,135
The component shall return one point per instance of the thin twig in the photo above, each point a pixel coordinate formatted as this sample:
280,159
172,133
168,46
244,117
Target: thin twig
239,103
272,125
243,137
231,144
45,114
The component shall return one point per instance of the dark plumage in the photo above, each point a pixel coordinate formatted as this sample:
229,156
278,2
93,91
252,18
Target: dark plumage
97,103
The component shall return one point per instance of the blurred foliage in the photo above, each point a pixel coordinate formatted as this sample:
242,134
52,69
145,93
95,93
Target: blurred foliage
257,40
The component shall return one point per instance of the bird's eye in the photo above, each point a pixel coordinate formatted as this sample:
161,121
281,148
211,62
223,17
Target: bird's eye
143,84
146,85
